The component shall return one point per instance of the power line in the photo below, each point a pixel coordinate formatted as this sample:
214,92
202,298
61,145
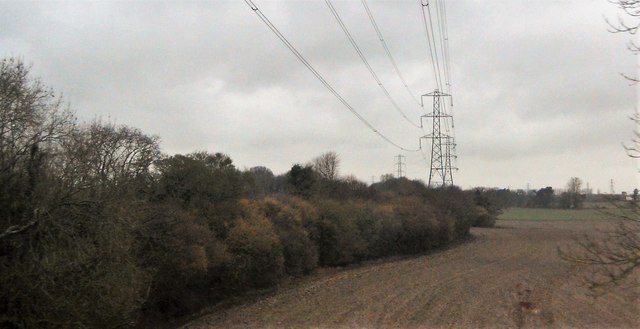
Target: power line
433,56
318,76
444,42
386,49
441,33
435,45
366,63
443,38
443,9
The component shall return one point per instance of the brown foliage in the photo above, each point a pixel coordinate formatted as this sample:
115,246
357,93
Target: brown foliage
182,253
257,259
300,253
95,228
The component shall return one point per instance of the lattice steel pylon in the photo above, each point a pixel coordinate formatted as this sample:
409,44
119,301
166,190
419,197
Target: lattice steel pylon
399,165
442,144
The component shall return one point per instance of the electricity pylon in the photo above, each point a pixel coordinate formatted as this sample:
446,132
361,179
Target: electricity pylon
399,165
442,145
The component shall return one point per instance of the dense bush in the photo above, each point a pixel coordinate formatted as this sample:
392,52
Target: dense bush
424,227
73,269
302,180
401,186
339,240
98,230
454,202
257,258
300,253
206,184
181,252
66,251
484,218
391,231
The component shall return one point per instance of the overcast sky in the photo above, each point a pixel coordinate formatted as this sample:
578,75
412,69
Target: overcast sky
538,96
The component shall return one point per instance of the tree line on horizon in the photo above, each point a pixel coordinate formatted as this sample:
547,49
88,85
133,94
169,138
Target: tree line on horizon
100,229
573,197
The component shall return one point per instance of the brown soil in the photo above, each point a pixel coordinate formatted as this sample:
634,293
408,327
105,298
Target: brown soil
505,277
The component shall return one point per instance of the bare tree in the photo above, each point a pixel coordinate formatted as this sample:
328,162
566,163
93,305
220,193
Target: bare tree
106,159
574,195
633,150
62,258
628,22
613,257
574,185
327,165
33,122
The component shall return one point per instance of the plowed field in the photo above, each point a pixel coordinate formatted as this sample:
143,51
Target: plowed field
505,277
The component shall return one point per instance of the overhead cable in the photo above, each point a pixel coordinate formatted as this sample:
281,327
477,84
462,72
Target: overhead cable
366,63
432,49
386,49
318,76
444,43
435,47
443,9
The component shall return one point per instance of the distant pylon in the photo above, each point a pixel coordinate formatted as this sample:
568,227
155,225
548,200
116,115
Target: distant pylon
442,145
612,189
399,165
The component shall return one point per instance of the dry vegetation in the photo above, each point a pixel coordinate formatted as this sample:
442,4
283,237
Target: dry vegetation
510,276
99,229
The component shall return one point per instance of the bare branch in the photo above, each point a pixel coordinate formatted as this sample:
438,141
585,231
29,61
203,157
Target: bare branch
327,165
16,229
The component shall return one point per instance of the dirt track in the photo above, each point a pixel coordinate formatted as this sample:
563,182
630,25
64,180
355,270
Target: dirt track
508,276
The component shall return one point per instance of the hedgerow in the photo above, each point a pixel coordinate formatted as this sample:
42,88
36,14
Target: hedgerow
99,230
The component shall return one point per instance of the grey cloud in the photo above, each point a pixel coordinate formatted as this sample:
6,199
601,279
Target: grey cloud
534,83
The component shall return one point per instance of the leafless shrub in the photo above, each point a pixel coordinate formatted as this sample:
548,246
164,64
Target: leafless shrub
327,165
628,22
611,258
66,255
